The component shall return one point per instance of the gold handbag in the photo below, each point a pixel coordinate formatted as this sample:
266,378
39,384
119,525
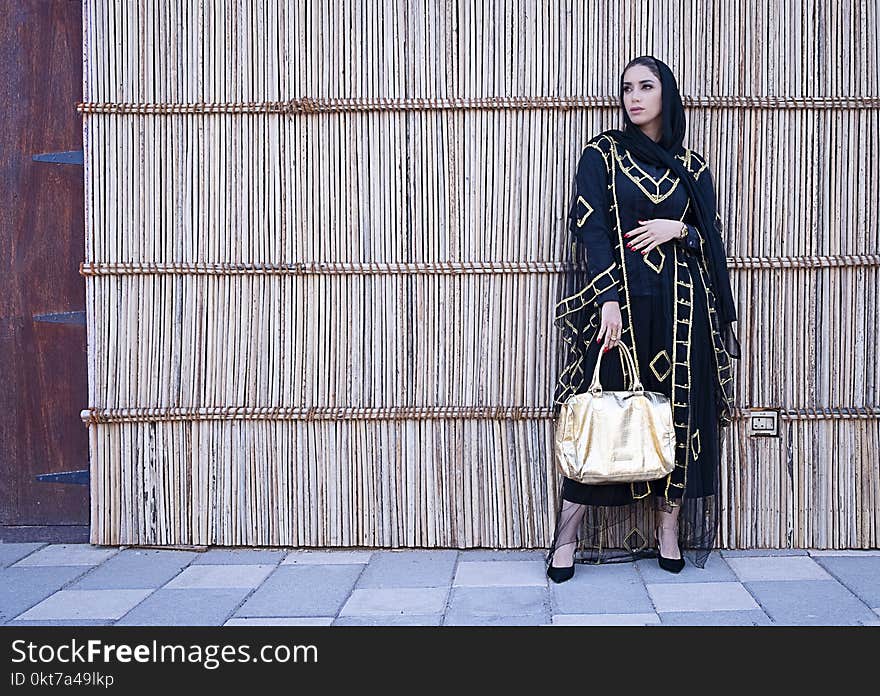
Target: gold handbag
615,436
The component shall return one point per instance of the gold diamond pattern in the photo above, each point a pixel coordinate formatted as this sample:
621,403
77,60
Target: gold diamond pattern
634,534
583,202
667,369
647,259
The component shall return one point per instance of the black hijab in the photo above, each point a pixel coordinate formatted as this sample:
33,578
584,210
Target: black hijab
664,153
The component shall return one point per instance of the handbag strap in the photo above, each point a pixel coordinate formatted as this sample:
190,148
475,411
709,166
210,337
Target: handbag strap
635,383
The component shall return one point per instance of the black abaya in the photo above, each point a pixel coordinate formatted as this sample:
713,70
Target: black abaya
670,323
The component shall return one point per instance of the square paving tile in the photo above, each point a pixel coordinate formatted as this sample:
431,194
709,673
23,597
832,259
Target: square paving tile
644,619
861,574
810,602
135,569
498,573
845,552
302,590
395,600
86,604
225,556
499,601
409,569
220,576
64,622
500,555
777,568
753,617
605,573
603,589
390,620
281,621
465,620
67,555
748,553
327,557
23,587
12,552
701,596
715,570
202,607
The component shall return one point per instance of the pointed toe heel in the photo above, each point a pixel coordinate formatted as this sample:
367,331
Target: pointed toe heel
560,574
672,565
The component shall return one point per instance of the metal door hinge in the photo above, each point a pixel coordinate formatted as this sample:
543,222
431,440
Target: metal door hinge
80,478
66,157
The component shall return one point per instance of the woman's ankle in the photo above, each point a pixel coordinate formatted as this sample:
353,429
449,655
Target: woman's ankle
668,538
563,556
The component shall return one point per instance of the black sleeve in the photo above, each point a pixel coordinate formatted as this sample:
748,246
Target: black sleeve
589,224
705,182
692,239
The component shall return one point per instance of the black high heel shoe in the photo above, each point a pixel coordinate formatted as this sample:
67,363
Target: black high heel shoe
673,565
559,573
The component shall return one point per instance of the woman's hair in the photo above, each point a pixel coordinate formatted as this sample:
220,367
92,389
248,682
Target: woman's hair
647,61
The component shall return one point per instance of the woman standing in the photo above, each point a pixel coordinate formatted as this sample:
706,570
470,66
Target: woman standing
645,227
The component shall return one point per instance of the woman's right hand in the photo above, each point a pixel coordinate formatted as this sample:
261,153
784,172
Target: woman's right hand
612,325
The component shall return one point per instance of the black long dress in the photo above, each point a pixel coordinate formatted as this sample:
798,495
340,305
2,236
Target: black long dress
670,324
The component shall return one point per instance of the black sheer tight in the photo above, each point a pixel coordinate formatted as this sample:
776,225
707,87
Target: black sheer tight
571,516
666,522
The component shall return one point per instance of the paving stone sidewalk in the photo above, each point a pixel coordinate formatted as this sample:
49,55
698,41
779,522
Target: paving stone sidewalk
80,584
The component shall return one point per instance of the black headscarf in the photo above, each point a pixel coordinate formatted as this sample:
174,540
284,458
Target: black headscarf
664,153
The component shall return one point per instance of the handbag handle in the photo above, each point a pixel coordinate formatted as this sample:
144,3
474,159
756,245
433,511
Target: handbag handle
635,383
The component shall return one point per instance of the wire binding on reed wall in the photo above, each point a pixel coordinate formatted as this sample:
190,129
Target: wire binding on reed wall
309,105
143,415
312,413
96,268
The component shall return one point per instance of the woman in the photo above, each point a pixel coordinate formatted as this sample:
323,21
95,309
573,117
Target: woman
645,228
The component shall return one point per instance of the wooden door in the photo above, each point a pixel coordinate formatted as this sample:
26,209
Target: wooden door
43,376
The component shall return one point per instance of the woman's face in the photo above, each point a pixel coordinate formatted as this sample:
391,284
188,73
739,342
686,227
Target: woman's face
642,96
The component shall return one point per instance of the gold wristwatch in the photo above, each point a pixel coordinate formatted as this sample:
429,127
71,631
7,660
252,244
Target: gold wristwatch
684,231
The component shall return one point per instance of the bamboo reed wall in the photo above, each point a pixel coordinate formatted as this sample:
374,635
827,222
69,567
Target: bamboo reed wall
324,242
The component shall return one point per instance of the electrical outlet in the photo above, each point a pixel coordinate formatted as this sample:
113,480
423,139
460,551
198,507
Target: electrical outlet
764,423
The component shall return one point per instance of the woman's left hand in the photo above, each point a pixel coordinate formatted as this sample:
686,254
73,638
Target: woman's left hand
651,233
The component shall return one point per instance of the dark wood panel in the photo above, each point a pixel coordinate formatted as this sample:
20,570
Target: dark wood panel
55,534
42,362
